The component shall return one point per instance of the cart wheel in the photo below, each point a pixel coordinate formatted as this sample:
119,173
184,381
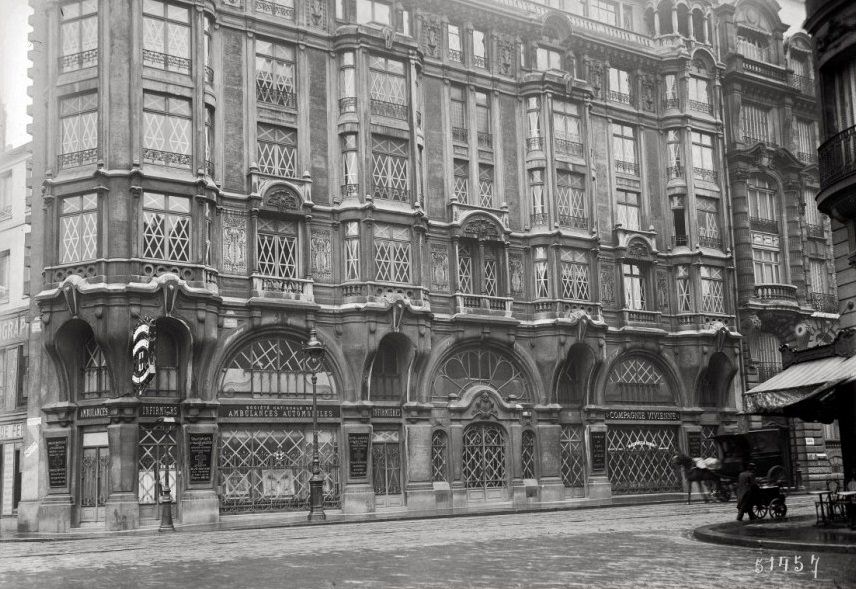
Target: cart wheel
724,494
759,511
778,509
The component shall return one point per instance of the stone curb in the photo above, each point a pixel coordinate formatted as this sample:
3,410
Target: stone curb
719,534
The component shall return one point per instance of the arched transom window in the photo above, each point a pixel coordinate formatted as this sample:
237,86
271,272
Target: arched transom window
273,367
465,368
638,380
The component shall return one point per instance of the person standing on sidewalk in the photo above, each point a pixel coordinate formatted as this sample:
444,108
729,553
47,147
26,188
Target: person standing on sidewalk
746,486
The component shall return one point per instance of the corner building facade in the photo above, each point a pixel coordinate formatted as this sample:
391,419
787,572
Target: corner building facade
507,222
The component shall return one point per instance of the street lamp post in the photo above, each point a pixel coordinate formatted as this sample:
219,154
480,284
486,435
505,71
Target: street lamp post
314,351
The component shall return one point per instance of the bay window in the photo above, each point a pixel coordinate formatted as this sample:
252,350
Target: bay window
166,36
78,122
388,88
78,31
699,94
703,168
347,83
167,138
275,74
547,59
78,228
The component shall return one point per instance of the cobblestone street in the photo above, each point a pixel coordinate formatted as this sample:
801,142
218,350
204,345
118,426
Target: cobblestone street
649,546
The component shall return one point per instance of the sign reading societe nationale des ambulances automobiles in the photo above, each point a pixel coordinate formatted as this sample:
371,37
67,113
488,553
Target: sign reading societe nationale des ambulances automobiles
143,360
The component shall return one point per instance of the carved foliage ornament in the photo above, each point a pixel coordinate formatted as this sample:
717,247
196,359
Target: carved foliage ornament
283,200
440,268
234,243
321,251
481,229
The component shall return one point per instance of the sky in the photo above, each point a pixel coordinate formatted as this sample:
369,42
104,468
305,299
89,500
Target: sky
14,63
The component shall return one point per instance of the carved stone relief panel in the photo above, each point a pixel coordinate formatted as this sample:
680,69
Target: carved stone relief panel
607,285
516,275
439,268
322,267
234,243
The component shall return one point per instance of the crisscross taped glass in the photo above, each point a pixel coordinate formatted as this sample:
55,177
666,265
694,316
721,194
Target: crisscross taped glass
575,275
275,74
389,168
486,186
465,270
78,129
392,253
685,304
439,456
277,255
386,463
78,228
269,469
166,227
96,378
573,467
712,290
277,150
639,459
79,35
166,36
166,130
489,277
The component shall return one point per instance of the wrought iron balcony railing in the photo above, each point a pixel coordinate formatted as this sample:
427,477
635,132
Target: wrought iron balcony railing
76,159
816,231
209,76
165,61
807,158
480,61
78,61
568,147
209,168
673,172
709,241
392,110
456,55
275,9
621,97
539,219
767,370
705,175
347,104
574,221
804,84
166,158
627,167
761,224
700,106
391,192
672,103
350,190
460,134
837,157
534,143
679,240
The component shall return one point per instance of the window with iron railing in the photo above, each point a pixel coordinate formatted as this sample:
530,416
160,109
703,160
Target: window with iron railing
619,88
78,35
534,139
209,140
166,36
388,88
541,271
627,209
439,456
766,258
458,113
276,150
702,148
461,181
671,97
624,149
78,228
390,157
755,47
699,95
350,165
805,134
167,138
570,200
275,75
536,197
480,58
708,222
484,126
756,124
166,227
567,129
347,83
453,39
78,127
674,153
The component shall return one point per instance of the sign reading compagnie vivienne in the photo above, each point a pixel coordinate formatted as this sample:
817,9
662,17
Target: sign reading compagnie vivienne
57,449
200,448
270,411
642,415
358,455
598,451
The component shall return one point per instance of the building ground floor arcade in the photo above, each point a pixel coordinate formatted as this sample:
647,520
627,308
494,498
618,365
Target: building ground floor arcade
469,419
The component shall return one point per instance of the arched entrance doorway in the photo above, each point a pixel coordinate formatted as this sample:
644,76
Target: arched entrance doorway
484,463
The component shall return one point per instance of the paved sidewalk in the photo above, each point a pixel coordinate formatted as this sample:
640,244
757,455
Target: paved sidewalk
798,533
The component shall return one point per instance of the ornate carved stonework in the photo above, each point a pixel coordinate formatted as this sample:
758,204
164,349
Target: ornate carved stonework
431,36
234,243
638,250
317,14
648,89
481,229
607,284
515,265
484,407
663,290
283,200
439,268
506,56
595,70
322,268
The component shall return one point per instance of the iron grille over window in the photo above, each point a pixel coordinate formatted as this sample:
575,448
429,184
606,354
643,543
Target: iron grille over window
389,168
78,228
573,456
275,74
78,120
273,366
392,253
157,459
439,456
277,150
96,378
166,227
166,36
79,34
527,454
166,130
639,459
484,456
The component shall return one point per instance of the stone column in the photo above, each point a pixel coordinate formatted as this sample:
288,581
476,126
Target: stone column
419,490
122,509
55,508
518,484
550,484
199,501
456,447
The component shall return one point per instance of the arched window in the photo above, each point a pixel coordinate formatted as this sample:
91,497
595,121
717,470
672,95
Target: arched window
96,378
664,11
637,380
574,376
387,370
699,26
527,454
465,368
439,456
699,88
683,20
272,367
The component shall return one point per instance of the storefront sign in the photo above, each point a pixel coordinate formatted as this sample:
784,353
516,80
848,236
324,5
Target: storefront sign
159,410
199,453
11,431
386,412
694,443
598,451
642,415
13,328
358,455
269,411
57,462
92,412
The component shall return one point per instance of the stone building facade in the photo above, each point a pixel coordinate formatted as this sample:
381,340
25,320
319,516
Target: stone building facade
508,222
14,327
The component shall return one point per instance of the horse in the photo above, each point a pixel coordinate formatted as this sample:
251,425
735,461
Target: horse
693,474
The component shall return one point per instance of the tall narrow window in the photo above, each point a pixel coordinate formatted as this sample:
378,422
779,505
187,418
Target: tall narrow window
712,290
619,86
347,83
78,228
762,203
352,250
674,152
699,95
208,48
819,292
454,40
605,11
209,140
567,128
753,46
627,210
806,140
277,150
570,200
703,168
679,218
388,88
374,12
79,34
624,149
166,227
527,454
166,36
392,253
755,123
709,234
814,220
672,99
535,140
458,113
536,196
277,249
480,49
389,168
483,122
634,287
490,275
275,83
547,59
96,379
685,299
166,130
766,258
350,166
461,187
575,275
439,456
78,127
486,194
465,269
542,273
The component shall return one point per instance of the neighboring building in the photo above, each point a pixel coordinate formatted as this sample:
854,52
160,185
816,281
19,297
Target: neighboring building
14,327
508,222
